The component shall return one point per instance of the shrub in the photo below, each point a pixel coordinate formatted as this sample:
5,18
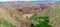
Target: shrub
43,21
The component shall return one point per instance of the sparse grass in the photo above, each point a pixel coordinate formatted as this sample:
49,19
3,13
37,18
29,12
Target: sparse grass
54,14
17,19
6,24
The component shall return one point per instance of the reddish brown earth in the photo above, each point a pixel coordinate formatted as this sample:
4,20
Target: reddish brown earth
34,8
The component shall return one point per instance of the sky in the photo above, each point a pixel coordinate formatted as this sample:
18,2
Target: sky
28,0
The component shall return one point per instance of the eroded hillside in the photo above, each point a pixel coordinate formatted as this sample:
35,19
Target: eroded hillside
16,12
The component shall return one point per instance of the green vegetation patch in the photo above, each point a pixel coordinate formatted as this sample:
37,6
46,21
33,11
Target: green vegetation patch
6,24
43,21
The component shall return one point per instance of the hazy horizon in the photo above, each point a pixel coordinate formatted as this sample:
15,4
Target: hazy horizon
31,0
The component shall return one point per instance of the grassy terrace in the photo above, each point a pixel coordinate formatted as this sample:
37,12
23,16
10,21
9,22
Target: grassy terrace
54,14
6,24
